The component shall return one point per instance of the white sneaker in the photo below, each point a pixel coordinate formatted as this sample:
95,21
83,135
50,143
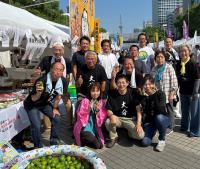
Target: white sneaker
178,115
160,146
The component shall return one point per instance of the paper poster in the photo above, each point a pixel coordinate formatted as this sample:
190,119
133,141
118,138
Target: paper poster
7,153
12,121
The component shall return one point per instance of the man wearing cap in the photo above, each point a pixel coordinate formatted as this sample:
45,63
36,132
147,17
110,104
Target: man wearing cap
45,65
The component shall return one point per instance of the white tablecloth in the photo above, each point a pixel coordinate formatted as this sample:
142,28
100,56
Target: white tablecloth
12,121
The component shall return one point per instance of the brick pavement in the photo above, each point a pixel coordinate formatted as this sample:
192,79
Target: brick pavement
180,152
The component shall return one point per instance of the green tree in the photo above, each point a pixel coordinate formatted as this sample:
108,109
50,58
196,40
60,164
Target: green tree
150,31
194,22
103,30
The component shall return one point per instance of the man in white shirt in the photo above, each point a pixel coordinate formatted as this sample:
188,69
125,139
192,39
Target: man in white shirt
171,58
107,59
146,53
171,55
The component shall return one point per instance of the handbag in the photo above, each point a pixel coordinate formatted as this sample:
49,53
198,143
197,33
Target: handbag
175,100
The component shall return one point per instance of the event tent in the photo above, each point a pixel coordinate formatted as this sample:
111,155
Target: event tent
14,20
19,27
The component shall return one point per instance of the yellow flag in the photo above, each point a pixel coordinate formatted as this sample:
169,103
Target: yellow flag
156,36
97,43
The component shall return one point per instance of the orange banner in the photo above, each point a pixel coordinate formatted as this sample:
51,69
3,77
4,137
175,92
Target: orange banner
81,17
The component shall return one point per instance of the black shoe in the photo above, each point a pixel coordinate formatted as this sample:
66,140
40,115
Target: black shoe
191,135
111,143
54,142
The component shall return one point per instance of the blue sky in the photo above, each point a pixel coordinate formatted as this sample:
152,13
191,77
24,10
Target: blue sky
133,13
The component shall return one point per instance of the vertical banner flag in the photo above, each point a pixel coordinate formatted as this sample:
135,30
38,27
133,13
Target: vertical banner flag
156,36
97,35
169,33
185,30
81,18
121,40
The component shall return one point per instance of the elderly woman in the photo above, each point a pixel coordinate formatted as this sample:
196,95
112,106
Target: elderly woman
188,77
165,80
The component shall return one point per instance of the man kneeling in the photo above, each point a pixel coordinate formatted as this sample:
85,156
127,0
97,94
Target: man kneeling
121,105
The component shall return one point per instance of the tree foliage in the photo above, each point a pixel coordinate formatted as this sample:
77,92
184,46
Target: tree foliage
103,30
194,22
151,31
49,11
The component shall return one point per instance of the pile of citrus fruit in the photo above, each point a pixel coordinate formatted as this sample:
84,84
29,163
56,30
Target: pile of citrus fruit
59,162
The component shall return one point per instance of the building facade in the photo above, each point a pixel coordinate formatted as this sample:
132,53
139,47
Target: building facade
188,3
161,8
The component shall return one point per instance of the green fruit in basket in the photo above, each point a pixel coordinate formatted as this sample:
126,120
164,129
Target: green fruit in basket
56,162
62,158
72,167
73,158
78,166
53,164
42,158
68,158
44,162
75,162
49,157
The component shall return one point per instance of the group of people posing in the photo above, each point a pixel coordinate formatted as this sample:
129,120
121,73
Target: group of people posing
140,95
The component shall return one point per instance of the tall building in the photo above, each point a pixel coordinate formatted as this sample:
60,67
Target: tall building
188,3
147,24
170,22
171,17
161,8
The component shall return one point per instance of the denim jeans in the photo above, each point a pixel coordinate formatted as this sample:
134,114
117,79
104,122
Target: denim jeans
34,117
195,117
185,108
160,123
171,115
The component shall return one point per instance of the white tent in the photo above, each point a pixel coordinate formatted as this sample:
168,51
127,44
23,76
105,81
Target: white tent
64,28
17,25
16,19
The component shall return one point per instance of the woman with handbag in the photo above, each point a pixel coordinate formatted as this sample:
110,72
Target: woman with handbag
166,80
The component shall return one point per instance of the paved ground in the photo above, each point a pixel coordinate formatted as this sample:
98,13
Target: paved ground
180,152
